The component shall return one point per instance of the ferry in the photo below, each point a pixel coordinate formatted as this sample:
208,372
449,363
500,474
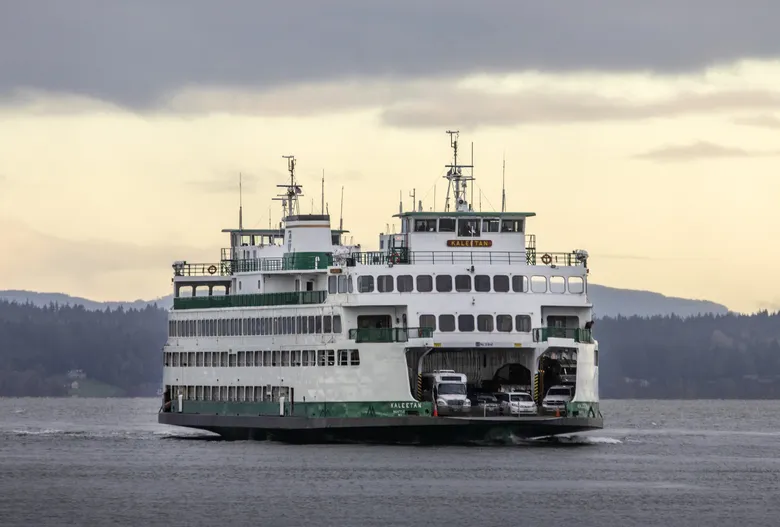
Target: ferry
457,330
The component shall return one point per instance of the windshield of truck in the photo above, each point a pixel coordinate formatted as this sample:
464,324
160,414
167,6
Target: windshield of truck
515,397
452,389
559,392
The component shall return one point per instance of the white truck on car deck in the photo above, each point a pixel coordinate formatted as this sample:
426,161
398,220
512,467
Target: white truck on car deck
557,397
448,389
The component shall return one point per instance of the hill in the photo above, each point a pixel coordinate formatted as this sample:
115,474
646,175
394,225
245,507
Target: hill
607,302
69,350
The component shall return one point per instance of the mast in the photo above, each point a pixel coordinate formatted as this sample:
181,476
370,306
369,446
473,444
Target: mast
240,203
503,185
458,183
289,199
341,214
322,194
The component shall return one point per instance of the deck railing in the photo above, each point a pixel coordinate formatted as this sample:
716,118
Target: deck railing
577,334
287,263
202,269
404,257
253,300
388,334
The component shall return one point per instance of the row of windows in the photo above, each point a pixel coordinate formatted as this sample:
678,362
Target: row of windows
229,393
467,226
283,358
239,327
462,283
484,323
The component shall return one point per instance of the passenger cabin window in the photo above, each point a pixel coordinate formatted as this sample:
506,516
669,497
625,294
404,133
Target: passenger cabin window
447,323
576,285
501,283
512,226
446,224
465,322
523,323
443,283
520,284
485,322
428,321
482,283
424,283
365,284
425,225
463,283
404,283
491,225
384,283
468,227
504,323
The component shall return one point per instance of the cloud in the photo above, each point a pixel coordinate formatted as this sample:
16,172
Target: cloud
760,121
225,182
140,53
84,262
701,150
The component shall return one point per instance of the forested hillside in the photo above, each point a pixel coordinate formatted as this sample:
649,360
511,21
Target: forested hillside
708,356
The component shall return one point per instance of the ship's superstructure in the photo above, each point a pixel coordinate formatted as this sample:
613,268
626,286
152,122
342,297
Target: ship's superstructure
293,325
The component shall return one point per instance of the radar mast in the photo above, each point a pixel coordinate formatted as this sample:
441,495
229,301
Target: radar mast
458,183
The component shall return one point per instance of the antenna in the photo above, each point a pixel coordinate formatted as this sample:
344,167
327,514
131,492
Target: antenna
240,202
400,202
480,200
503,185
413,195
290,198
341,214
472,181
458,182
322,194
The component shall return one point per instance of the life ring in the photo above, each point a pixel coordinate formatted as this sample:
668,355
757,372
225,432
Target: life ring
395,258
546,259
212,269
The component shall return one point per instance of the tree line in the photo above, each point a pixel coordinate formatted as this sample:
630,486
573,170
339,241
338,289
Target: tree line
706,356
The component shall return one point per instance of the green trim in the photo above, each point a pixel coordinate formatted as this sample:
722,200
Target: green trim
577,334
307,260
301,409
583,409
502,215
257,300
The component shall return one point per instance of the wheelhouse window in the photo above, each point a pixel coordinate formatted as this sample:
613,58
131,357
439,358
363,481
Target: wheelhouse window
425,225
557,284
519,284
512,226
468,227
491,225
446,224
576,285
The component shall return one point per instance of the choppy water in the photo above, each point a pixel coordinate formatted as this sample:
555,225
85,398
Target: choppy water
107,462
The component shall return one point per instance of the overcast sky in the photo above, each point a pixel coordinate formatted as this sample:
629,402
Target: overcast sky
127,122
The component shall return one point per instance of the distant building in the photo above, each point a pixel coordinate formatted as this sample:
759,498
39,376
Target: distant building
76,374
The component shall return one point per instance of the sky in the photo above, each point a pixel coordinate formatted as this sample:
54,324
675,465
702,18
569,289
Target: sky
646,133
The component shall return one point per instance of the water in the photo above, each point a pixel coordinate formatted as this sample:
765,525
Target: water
107,462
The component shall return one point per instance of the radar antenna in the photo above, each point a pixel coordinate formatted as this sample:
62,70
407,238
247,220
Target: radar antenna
458,183
289,199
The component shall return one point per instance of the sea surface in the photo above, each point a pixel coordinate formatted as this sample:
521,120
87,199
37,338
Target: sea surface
107,462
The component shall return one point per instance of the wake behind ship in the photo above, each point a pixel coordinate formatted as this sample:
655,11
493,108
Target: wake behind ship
456,330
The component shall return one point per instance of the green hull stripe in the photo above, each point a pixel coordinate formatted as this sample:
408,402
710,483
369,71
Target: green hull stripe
300,409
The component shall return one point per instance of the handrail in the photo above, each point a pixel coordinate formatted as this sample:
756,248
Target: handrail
201,269
406,257
577,334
